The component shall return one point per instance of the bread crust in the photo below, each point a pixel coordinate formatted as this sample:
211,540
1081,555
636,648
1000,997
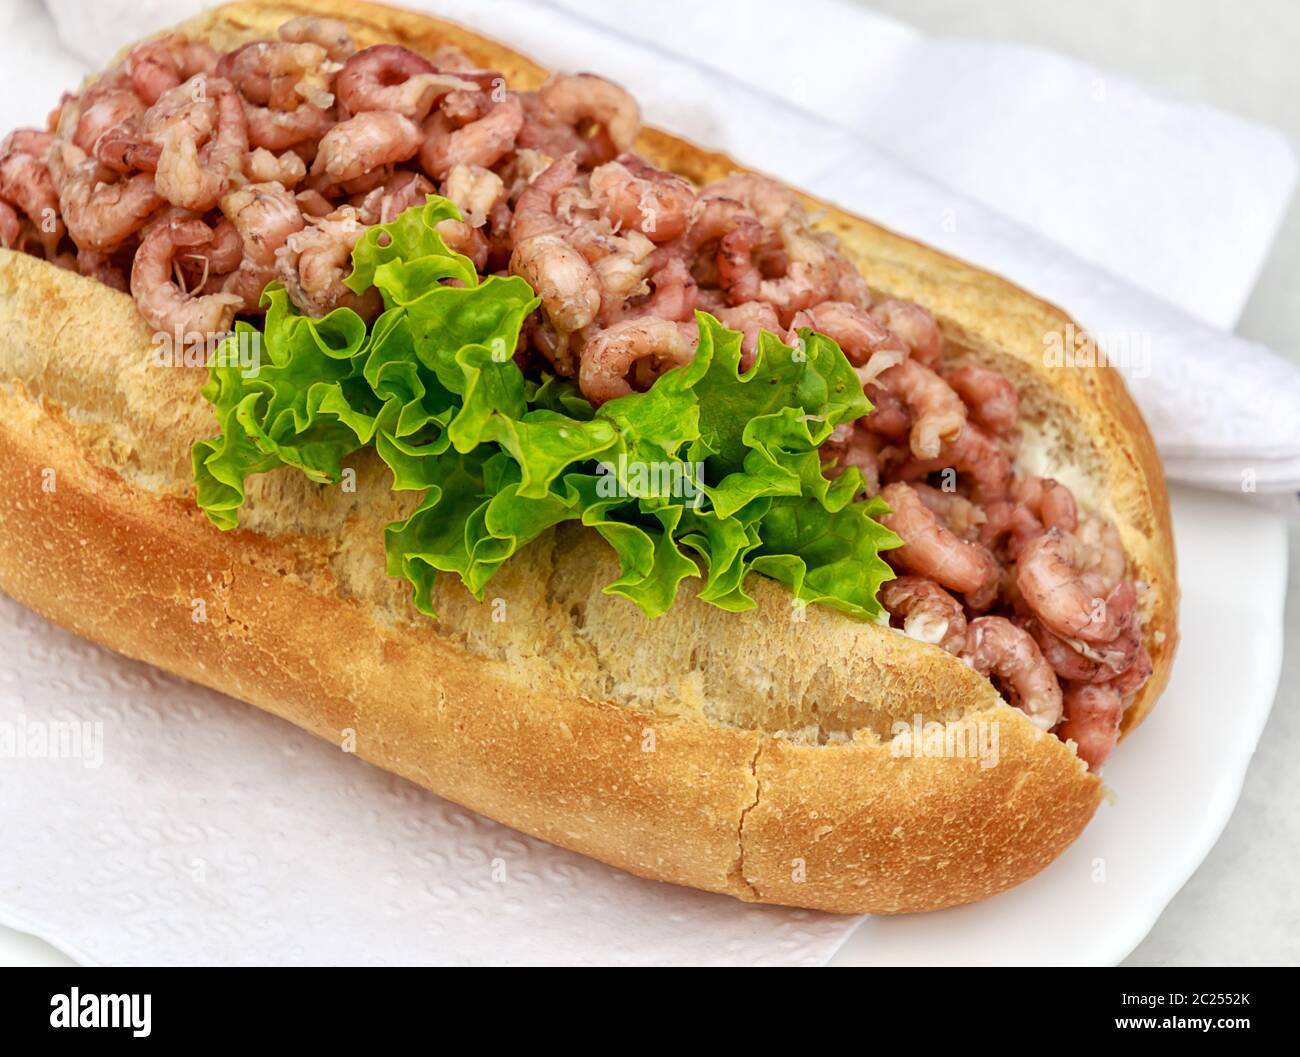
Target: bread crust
749,754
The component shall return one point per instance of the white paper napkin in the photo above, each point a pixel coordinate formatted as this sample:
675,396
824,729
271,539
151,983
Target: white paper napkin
211,832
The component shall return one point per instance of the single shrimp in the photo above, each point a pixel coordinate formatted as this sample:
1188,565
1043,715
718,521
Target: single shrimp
738,234
1092,717
1070,600
751,319
956,511
100,266
937,413
997,649
278,74
328,33
393,78
848,445
766,199
159,65
279,130
11,228
482,142
100,214
889,416
25,181
915,326
475,191
610,356
109,110
810,270
393,197
261,166
1134,677
637,196
195,177
313,263
931,549
264,215
365,143
1080,661
602,118
972,453
1049,501
562,276
989,396
928,612
868,345
163,304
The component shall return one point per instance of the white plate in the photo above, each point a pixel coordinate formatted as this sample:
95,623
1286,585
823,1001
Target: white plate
1175,781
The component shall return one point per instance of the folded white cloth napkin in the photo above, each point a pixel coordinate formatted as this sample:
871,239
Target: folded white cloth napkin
250,843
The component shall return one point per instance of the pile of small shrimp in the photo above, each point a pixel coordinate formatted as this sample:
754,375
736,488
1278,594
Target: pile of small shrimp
193,179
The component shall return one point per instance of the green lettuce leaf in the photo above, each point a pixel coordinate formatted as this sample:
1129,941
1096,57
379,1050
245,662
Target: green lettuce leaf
712,473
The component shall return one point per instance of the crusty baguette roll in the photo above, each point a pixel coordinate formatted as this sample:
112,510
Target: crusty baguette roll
748,754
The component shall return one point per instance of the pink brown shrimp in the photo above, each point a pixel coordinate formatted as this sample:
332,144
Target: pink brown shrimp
933,550
364,143
609,357
195,176
265,215
989,396
476,191
889,416
288,169
850,445
997,649
563,278
313,263
393,78
393,197
738,234
100,214
1093,712
1085,662
956,511
915,326
163,304
26,182
811,268
11,228
937,413
109,110
159,65
482,143
102,267
928,612
602,118
1068,599
751,319
868,345
279,130
762,196
974,455
636,196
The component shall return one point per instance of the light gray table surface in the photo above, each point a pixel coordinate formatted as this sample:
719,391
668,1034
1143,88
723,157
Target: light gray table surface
1241,907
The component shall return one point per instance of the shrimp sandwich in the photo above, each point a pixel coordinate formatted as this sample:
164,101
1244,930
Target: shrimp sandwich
356,366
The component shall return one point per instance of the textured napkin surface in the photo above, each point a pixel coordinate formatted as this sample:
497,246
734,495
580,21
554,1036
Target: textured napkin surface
210,832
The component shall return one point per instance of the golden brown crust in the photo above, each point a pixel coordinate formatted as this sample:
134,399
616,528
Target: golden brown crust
749,754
